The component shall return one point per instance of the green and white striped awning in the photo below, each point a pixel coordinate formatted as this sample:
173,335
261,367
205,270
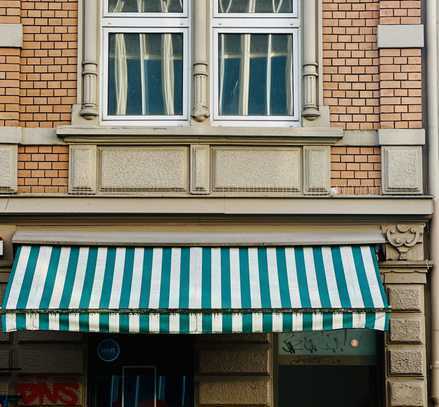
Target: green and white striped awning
194,289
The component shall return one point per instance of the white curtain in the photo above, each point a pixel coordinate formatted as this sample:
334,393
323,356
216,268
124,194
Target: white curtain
121,68
246,55
167,68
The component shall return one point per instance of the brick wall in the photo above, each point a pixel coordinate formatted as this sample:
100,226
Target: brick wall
38,81
400,12
43,169
350,63
356,170
401,88
48,62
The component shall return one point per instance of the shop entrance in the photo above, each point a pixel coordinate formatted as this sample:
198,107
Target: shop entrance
140,371
339,368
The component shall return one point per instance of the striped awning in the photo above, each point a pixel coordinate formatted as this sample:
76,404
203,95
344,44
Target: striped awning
194,289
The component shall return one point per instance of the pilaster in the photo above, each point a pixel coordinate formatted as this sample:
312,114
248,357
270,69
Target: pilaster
310,60
405,277
89,105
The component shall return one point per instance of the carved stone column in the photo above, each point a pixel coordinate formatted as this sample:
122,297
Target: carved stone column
310,60
89,108
405,276
200,109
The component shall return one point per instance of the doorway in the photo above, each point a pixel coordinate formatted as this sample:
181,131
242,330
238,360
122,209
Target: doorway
140,371
341,368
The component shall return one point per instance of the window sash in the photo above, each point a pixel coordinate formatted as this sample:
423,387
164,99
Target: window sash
108,13
290,120
217,14
126,119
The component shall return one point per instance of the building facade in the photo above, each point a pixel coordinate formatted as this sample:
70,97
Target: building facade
224,148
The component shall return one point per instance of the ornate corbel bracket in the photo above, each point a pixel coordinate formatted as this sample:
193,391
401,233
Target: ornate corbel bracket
404,242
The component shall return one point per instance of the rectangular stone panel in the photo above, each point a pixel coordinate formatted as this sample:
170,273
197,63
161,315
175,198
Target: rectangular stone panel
402,170
229,361
234,392
200,169
47,359
144,169
257,169
82,169
8,168
317,170
406,297
406,362
404,330
407,393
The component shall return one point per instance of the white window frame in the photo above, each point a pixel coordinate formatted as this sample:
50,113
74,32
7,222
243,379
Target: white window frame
140,23
184,14
255,23
294,14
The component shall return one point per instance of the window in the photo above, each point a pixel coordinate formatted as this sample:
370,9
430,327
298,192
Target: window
340,368
146,60
255,60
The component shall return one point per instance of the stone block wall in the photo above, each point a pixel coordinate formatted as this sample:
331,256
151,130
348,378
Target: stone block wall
405,276
234,370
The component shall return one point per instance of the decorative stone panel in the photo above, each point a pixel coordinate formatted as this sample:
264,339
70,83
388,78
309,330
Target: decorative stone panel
257,169
317,170
82,169
225,361
404,242
402,170
144,169
406,362
237,392
8,168
406,330
200,169
406,297
407,394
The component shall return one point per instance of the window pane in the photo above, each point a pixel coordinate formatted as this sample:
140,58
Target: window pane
145,74
256,74
255,6
138,386
145,6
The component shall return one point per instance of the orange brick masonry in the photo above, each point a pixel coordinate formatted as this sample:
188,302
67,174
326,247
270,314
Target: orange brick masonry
350,63
356,170
48,62
43,169
400,12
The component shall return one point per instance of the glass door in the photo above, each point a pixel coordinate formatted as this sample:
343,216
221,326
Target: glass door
140,371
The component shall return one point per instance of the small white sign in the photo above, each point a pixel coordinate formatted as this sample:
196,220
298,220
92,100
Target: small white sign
1,247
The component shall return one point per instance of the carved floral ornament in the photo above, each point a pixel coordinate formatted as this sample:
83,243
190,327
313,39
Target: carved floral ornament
404,238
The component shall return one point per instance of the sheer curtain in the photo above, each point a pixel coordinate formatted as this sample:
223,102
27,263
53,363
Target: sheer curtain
255,70
145,69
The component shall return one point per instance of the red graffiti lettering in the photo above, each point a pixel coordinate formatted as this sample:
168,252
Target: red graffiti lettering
65,394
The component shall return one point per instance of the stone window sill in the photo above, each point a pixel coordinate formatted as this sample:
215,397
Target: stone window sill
199,134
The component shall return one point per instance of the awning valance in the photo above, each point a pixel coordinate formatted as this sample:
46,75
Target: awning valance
194,289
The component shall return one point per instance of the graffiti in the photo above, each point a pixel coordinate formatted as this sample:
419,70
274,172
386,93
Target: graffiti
49,393
350,342
313,344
